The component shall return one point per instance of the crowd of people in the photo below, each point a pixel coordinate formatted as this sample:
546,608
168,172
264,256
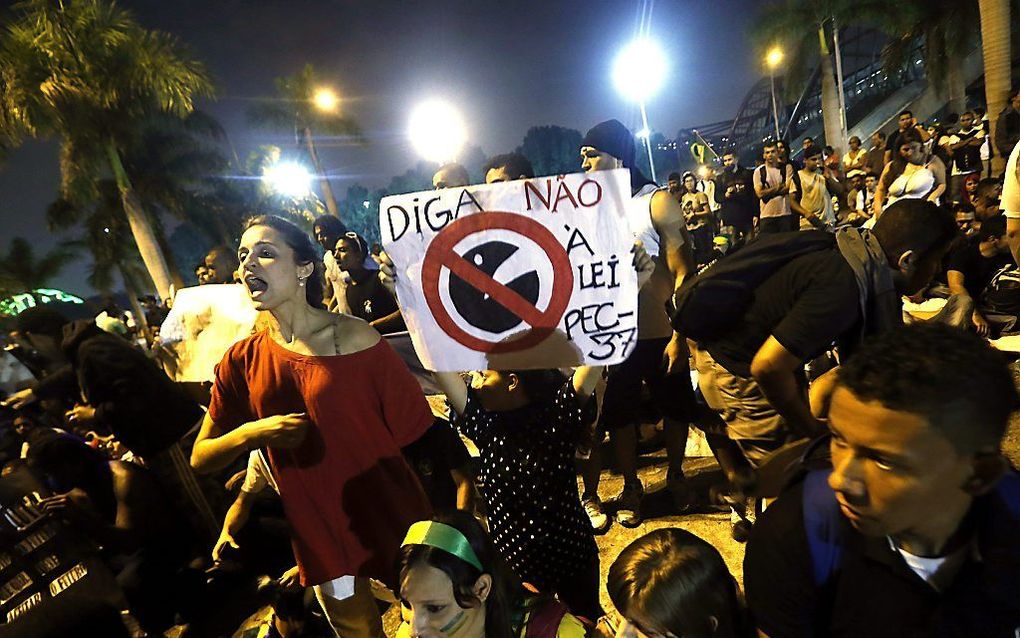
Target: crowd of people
860,444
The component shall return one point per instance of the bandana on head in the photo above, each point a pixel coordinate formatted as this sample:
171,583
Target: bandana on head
613,137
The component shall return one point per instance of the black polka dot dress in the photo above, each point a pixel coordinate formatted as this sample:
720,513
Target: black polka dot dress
530,489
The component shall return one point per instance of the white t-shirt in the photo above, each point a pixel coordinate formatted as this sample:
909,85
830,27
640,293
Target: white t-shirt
1010,201
639,218
937,572
258,476
778,205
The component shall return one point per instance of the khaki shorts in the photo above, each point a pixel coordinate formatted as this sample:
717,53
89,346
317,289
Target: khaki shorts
751,421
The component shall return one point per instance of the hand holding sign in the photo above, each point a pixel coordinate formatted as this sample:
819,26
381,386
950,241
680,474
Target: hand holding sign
523,274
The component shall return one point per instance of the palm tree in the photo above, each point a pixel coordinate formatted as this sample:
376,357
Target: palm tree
22,272
297,109
106,235
947,33
995,46
86,72
803,29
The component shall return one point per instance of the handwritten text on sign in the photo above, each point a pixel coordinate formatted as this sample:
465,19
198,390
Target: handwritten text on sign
526,274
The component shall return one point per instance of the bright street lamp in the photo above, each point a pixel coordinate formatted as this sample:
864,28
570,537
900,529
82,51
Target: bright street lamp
639,72
437,131
288,178
772,60
326,99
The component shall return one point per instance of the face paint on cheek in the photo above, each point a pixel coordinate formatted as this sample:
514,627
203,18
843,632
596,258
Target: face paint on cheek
456,624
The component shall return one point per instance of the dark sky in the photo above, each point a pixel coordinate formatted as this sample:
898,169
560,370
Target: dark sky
507,66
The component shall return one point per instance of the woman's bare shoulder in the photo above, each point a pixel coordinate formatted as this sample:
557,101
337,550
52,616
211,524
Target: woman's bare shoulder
354,334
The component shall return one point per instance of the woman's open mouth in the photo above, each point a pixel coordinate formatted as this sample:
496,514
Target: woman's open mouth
256,285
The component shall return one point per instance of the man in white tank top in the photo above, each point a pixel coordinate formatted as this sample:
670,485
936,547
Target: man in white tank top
656,219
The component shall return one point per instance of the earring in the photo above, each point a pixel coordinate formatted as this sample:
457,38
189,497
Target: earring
301,282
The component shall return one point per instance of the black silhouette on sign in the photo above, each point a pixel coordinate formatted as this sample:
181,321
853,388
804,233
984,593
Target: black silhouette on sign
478,308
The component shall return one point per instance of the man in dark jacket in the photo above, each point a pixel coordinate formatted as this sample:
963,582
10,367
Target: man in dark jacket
1007,128
113,385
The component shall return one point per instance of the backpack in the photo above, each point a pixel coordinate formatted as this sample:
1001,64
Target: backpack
1002,294
712,301
826,529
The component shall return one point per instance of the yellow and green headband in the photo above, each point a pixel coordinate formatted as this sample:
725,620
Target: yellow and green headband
444,537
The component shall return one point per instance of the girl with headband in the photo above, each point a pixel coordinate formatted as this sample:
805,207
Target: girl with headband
454,585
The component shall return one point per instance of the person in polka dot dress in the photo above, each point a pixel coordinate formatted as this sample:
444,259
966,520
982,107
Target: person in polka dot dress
525,425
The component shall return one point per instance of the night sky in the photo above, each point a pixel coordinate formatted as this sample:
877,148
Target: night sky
507,66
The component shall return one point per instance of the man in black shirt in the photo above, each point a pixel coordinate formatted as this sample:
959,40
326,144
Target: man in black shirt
750,373
915,531
973,263
738,206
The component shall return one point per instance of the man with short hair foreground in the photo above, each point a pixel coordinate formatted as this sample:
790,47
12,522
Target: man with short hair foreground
916,529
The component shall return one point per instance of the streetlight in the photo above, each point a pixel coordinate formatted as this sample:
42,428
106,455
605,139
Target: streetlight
437,131
325,99
639,71
772,60
288,178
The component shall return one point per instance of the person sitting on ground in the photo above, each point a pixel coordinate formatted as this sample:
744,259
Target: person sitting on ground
364,295
966,220
906,176
120,506
454,583
972,266
671,583
450,175
289,618
914,531
507,168
987,199
856,157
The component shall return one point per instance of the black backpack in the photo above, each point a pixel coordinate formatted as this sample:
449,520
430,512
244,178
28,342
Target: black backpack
711,302
1002,294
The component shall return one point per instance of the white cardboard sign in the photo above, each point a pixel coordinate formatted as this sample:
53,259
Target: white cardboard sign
527,274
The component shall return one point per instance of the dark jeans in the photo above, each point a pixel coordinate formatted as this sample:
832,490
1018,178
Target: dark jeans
786,223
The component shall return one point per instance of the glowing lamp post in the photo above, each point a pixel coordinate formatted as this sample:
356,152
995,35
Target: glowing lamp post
772,60
639,72
288,178
326,100
437,131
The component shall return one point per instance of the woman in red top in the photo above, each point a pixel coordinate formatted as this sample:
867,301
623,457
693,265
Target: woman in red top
334,405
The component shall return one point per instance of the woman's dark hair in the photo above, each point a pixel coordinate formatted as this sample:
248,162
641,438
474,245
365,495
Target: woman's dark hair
42,320
898,164
330,224
506,598
679,582
304,252
540,386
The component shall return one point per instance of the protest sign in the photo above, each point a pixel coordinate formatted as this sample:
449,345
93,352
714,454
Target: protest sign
202,325
527,274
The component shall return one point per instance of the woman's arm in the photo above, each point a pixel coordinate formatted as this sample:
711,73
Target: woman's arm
215,449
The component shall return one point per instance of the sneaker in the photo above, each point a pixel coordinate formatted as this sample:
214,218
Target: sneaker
628,510
741,521
596,514
680,492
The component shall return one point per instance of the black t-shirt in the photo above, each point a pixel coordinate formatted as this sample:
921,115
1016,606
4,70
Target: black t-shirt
369,300
432,457
892,143
870,590
977,269
806,305
740,209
